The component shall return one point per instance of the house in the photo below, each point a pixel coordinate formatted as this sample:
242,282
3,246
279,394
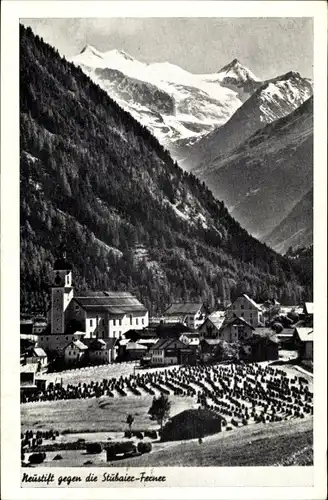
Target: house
191,339
27,379
39,324
97,314
208,349
75,352
286,338
211,326
26,330
194,314
235,329
134,351
171,351
246,308
38,356
101,351
264,345
303,338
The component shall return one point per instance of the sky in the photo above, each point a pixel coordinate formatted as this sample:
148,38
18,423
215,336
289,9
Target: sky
267,46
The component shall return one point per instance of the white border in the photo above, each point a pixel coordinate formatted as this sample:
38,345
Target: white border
10,415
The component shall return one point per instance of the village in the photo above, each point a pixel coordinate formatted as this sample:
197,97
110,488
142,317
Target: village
94,328
243,363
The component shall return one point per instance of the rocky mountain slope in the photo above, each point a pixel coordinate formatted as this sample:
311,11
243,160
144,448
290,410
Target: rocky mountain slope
296,229
97,183
176,106
263,178
274,99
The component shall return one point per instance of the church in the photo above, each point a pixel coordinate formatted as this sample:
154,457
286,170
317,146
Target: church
75,316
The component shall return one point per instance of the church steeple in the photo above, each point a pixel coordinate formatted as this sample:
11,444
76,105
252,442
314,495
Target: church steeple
61,294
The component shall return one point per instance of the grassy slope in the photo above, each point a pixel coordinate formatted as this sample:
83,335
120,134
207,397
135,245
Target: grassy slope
85,414
282,443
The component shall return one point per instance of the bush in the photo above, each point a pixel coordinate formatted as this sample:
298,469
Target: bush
58,457
123,448
144,447
93,448
191,424
138,435
151,434
128,434
37,458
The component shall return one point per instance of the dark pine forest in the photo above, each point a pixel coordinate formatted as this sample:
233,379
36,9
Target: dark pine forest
95,182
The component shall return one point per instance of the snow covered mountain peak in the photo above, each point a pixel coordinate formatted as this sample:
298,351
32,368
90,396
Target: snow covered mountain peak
90,50
235,70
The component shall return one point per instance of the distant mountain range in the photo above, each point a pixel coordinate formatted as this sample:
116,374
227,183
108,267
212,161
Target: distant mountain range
211,124
274,99
96,182
178,107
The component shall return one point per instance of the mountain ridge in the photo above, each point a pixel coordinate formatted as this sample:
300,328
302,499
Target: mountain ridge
296,229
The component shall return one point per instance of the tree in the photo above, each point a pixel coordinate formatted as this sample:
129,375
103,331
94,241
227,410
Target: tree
130,420
160,409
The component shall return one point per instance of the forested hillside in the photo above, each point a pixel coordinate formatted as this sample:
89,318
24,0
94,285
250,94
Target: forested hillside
97,183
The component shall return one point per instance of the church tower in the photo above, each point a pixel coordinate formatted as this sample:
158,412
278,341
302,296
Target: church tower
61,294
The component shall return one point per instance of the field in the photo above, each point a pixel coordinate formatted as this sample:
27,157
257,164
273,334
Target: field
85,415
98,373
267,413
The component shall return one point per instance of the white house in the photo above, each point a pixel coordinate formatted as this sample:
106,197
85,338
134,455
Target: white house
38,356
235,330
211,326
170,351
74,352
102,351
304,341
246,308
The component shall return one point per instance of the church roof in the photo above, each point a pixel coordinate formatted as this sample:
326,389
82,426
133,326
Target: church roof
112,302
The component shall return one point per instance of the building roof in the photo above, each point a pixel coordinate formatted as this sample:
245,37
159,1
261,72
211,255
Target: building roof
235,319
78,344
30,368
97,344
262,334
165,344
211,341
216,318
39,352
249,300
149,341
305,334
116,303
179,308
131,346
308,306
171,329
285,334
123,342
